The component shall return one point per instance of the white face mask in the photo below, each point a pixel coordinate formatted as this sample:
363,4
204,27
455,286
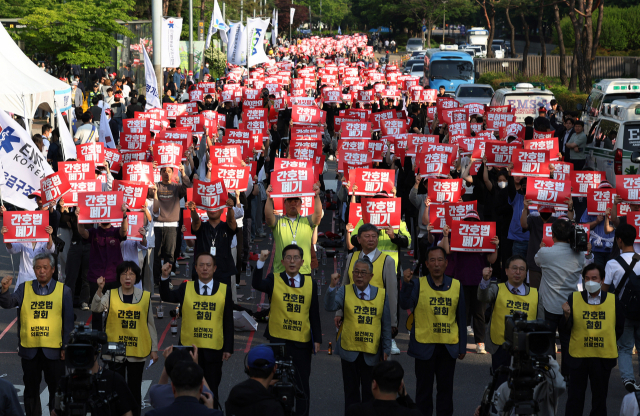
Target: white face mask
592,287
502,185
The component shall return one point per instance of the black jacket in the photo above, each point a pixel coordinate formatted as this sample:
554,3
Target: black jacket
250,398
131,110
185,405
266,286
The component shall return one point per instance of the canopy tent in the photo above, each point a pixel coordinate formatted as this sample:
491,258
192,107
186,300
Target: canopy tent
27,86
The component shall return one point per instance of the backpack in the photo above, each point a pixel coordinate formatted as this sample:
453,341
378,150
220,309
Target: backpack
630,299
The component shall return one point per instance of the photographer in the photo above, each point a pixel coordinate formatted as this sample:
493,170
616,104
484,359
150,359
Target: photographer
252,397
592,348
561,271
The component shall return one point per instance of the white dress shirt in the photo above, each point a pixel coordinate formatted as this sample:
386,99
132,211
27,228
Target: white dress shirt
366,291
518,290
209,287
371,255
594,300
297,279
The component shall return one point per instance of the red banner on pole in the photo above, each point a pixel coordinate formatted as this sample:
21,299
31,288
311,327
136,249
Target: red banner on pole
25,226
292,183
472,237
548,192
99,207
134,193
53,187
444,190
209,196
628,188
382,212
533,163
372,181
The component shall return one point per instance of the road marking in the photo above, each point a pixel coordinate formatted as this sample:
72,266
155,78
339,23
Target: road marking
164,334
8,327
44,401
145,387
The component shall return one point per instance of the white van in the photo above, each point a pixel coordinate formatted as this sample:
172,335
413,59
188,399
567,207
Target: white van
605,92
615,136
525,97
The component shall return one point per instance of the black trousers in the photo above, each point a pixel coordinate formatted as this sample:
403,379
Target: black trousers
597,372
498,359
132,372
301,358
178,248
554,321
475,310
440,367
356,377
164,250
212,368
76,268
32,376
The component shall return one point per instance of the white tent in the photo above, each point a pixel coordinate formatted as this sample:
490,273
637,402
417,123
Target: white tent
27,87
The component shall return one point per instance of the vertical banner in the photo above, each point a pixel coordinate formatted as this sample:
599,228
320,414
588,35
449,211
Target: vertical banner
171,29
153,96
257,28
135,221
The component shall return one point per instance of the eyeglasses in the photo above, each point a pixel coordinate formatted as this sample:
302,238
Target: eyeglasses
518,269
294,258
360,273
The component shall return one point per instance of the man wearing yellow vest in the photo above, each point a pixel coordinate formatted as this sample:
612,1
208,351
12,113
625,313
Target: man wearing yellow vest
439,331
45,322
505,298
365,336
384,271
596,321
207,317
294,315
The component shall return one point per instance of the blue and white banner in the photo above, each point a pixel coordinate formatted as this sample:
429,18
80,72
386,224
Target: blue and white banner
237,48
274,30
171,29
24,165
153,97
217,23
257,28
104,130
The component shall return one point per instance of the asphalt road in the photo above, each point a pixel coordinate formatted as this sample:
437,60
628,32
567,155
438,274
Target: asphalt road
472,374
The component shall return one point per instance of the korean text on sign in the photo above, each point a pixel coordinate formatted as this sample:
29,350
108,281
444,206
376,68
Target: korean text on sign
26,226
209,196
372,181
467,236
97,207
292,183
381,212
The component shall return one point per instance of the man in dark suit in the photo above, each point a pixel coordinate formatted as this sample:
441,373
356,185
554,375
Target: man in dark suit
186,382
207,317
46,303
564,135
596,321
294,315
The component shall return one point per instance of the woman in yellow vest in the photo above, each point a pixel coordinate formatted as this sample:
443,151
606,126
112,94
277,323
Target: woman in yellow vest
596,321
129,320
513,295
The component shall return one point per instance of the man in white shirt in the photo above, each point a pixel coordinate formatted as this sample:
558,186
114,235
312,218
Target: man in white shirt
86,133
46,137
614,272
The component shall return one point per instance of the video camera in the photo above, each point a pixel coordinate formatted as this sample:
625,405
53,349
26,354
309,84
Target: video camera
529,343
81,391
285,389
578,239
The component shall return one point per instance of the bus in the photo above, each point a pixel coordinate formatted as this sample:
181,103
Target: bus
450,69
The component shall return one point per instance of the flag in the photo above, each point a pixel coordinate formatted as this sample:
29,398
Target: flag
237,54
292,11
274,31
223,36
68,146
104,131
171,29
24,165
339,31
153,96
256,29
217,23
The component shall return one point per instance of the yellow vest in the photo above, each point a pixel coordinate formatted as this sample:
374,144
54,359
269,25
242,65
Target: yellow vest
593,333
127,322
41,318
506,303
362,328
283,232
435,314
202,318
378,268
289,313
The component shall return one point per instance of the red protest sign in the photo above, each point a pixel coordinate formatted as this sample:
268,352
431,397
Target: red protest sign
225,155
87,185
437,217
550,144
429,96
134,142
547,236
459,128
455,211
443,104
193,123
338,120
444,190
416,141
581,181
355,213
332,96
99,207
91,152
377,148
633,218
499,153
53,187
539,135
135,221
628,187
138,172
174,110
354,158
181,137
235,178
548,192
186,215
467,145
307,115
534,163
25,226
381,212
598,200
168,155
355,129
352,145
114,158
305,149
376,118
393,127
134,193
134,157
512,129
196,94
472,236
292,183
77,171
372,181
474,108
284,164
365,96
454,115
209,196
306,132
563,171
495,120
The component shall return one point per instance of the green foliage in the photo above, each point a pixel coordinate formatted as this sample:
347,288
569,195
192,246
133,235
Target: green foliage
79,32
217,61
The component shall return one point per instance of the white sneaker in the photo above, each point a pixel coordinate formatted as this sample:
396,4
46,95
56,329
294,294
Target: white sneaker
480,348
469,331
173,274
394,348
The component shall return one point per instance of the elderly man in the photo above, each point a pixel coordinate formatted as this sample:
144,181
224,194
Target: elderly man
47,304
365,337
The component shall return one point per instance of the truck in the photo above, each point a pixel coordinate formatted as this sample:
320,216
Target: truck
478,36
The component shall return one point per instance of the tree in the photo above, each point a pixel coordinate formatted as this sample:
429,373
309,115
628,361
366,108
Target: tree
334,11
563,52
525,52
489,11
78,32
300,16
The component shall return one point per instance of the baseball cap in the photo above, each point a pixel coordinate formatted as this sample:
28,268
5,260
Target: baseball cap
190,72
35,194
261,352
471,215
542,110
118,96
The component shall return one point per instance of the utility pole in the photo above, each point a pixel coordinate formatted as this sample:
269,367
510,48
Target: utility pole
224,19
241,10
191,66
443,19
156,19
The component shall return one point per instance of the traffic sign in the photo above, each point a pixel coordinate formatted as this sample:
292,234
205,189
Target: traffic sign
424,28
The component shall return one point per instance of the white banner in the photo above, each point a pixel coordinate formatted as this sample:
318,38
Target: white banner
23,163
292,11
104,131
274,31
237,52
68,146
153,96
171,29
257,28
217,23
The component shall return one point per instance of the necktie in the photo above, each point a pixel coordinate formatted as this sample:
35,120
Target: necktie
292,282
514,290
362,295
204,290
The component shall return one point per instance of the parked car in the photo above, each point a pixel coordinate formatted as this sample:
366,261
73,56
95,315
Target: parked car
414,44
417,70
409,64
498,51
474,93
